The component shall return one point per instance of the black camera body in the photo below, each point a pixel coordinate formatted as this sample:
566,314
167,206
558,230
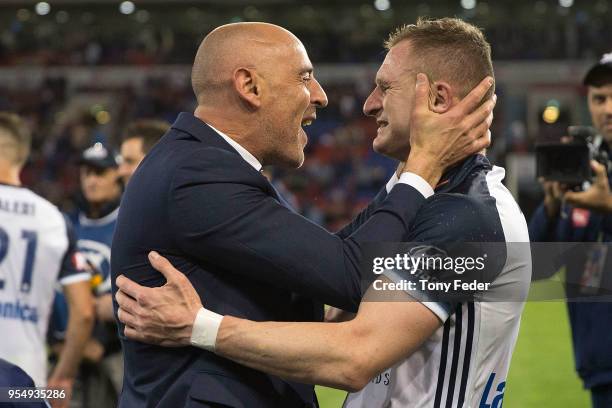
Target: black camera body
569,163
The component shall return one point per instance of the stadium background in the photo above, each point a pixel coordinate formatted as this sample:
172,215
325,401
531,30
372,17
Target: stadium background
78,71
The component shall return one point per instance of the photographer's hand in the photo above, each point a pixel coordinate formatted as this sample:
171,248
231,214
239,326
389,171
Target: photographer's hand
553,196
598,196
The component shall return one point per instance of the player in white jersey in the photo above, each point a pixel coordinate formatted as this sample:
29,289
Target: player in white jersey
410,345
465,362
37,249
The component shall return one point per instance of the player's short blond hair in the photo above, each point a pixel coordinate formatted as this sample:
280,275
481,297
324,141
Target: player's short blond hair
448,49
15,138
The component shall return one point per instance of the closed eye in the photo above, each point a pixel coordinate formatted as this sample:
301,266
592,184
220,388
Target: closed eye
382,85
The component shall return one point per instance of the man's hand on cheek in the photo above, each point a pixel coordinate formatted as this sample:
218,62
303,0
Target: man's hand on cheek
440,140
163,315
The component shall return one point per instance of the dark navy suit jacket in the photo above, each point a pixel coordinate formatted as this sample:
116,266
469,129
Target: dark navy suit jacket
196,201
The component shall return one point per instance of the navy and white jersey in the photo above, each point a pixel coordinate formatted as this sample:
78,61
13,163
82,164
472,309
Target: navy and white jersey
94,237
466,361
37,249
94,240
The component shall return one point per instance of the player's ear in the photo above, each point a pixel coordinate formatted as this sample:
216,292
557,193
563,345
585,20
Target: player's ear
441,96
248,87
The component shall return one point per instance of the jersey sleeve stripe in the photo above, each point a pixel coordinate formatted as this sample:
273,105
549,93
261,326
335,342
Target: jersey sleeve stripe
455,362
443,359
83,276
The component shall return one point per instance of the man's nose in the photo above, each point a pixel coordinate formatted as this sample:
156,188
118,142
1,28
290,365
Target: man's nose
317,95
373,104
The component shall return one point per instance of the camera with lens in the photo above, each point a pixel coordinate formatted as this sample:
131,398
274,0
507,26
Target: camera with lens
569,163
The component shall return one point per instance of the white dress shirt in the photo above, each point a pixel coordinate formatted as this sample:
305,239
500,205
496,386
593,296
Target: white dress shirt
244,153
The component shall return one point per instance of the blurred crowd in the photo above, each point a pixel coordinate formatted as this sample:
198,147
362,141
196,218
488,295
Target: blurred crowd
333,31
341,171
168,46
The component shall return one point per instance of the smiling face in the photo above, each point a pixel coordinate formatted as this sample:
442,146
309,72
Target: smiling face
255,82
600,106
392,100
292,97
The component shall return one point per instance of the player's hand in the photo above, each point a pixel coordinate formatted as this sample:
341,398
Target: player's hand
163,315
598,196
59,383
437,141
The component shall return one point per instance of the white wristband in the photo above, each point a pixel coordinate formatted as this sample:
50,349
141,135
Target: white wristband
205,329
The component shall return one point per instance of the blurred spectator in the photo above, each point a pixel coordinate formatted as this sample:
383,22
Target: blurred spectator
139,137
95,220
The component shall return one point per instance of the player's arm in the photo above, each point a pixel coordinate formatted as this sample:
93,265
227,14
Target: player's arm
340,355
80,323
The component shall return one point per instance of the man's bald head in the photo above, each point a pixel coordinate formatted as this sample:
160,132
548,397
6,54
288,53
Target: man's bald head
232,46
255,83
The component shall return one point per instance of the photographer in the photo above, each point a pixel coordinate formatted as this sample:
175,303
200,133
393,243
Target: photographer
567,216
